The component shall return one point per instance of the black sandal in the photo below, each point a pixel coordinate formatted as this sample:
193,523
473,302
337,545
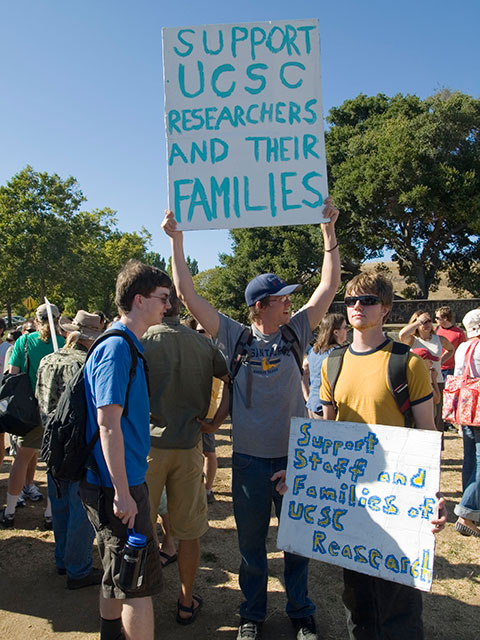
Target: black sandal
192,610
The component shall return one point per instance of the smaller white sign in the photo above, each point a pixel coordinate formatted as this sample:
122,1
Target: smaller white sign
362,497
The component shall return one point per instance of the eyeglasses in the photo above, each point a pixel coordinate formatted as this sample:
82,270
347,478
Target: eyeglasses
281,299
163,298
366,301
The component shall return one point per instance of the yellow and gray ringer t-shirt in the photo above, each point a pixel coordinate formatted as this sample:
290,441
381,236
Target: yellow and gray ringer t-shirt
362,393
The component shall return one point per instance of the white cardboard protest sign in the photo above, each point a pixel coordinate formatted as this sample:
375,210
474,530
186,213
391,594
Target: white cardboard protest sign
244,124
362,497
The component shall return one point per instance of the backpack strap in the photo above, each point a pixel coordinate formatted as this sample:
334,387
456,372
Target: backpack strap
135,354
292,344
334,366
396,376
25,350
397,380
241,355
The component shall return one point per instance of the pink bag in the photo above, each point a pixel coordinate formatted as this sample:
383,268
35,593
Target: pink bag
461,395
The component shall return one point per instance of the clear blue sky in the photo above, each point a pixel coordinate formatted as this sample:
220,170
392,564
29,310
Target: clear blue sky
81,83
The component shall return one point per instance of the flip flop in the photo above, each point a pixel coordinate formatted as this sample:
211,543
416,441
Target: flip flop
466,531
168,558
192,610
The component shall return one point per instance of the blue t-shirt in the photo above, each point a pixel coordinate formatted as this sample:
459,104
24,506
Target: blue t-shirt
315,360
106,380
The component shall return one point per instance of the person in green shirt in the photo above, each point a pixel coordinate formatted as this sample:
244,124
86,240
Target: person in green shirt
39,344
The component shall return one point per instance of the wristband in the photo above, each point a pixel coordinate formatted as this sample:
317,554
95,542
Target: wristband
329,250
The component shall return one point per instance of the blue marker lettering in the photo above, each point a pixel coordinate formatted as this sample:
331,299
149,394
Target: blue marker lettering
246,197
181,80
189,45
283,181
283,79
199,199
220,43
223,68
220,189
256,77
255,42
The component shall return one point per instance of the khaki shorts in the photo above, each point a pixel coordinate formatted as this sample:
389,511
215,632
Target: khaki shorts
112,535
181,472
33,439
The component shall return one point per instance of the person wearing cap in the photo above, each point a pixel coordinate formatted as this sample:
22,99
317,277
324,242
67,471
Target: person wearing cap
468,511
38,344
267,392
72,530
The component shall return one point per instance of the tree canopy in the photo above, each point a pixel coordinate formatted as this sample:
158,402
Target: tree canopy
49,247
405,173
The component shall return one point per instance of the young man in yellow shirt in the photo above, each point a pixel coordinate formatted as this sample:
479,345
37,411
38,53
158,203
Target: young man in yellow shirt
377,609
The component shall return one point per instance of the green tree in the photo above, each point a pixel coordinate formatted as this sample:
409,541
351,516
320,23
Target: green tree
293,253
48,246
35,213
405,174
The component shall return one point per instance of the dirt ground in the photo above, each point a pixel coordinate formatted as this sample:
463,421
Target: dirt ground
34,604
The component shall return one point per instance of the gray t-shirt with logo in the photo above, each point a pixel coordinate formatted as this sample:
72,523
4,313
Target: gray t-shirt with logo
262,429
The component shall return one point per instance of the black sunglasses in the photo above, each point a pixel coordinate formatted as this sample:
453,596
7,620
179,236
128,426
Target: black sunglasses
366,301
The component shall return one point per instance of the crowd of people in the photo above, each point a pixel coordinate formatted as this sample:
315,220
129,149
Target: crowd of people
154,399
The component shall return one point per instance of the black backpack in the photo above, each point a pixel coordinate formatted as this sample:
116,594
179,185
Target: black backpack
64,447
397,376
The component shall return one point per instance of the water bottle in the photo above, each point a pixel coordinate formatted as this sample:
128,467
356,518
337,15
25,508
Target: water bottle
133,562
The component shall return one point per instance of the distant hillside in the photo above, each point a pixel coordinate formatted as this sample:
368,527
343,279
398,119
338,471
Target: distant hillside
443,293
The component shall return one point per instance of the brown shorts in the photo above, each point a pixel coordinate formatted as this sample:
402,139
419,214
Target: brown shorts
112,536
181,472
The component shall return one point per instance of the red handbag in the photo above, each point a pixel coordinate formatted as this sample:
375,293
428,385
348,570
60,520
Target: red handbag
461,395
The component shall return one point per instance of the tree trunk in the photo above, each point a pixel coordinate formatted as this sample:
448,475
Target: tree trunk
421,281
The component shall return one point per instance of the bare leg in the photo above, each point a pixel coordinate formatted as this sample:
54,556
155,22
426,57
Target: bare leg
32,467
168,541
137,619
210,468
110,609
19,470
188,560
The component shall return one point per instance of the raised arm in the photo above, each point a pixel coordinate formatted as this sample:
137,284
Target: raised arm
406,335
202,310
323,295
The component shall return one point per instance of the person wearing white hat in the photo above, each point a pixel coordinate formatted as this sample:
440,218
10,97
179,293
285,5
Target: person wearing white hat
468,510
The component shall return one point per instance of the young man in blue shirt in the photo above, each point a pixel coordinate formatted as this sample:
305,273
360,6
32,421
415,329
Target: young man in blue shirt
116,498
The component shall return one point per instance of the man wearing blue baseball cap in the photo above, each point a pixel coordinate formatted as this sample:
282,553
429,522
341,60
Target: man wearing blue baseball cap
266,394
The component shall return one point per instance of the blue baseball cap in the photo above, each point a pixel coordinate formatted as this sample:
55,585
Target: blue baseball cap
267,284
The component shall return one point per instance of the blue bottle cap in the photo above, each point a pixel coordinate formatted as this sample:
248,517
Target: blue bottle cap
137,540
